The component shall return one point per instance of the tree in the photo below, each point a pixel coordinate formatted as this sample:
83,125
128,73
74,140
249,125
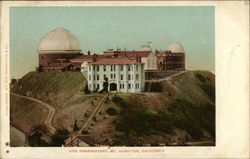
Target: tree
37,132
86,90
105,84
59,137
75,126
40,68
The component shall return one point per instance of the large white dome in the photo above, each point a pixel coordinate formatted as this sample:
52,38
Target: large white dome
176,48
59,41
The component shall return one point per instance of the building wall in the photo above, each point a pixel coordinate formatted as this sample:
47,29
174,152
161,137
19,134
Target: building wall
171,62
150,62
17,137
127,78
46,59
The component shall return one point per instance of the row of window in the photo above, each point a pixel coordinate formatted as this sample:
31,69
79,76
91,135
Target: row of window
112,68
122,86
113,76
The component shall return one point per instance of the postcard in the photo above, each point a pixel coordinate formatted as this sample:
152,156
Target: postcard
117,79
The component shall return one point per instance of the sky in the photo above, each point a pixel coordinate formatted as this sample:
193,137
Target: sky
100,28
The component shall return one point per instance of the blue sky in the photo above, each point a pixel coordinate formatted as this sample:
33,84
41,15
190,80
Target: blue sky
99,28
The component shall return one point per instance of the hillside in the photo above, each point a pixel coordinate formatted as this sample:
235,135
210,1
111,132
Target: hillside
177,110
56,88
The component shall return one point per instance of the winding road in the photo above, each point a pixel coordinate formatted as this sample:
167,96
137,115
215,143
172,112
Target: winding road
49,119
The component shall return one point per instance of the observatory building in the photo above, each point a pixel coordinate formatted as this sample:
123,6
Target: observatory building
56,49
123,70
172,59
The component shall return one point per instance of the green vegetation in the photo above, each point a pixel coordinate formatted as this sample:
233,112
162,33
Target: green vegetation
177,110
39,132
55,88
86,89
35,140
207,85
192,118
184,113
112,111
28,112
59,137
119,101
156,87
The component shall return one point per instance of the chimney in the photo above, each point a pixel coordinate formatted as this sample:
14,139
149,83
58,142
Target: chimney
94,58
137,57
88,52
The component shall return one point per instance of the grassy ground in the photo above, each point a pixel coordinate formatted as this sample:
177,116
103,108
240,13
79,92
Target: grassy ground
183,111
27,112
56,88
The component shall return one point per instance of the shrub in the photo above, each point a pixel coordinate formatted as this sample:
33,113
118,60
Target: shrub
156,87
112,111
86,89
200,77
207,86
119,101
192,118
59,137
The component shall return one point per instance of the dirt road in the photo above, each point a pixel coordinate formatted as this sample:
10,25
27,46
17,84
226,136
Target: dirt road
166,78
49,119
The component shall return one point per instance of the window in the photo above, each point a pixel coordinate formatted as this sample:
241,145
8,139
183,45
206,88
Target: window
94,77
121,77
94,68
114,67
111,76
121,67
136,67
137,76
114,76
129,86
104,68
89,77
111,68
137,86
97,77
122,85
94,86
128,77
129,68
97,68
104,77
89,68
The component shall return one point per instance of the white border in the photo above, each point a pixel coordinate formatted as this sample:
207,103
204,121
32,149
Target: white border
232,85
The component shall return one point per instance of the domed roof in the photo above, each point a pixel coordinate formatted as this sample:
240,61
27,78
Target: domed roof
59,41
176,48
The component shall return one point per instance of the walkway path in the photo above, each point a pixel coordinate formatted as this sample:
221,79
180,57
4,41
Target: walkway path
166,78
49,119
92,115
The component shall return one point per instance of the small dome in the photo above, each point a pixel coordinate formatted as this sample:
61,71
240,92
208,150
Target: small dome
59,41
176,48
